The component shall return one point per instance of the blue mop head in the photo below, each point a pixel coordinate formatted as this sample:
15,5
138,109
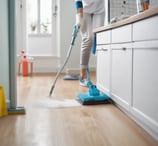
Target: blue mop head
93,96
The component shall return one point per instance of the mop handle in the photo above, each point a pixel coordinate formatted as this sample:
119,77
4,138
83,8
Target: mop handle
74,35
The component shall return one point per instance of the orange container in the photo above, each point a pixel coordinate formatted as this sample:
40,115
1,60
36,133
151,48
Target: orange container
142,5
24,66
145,5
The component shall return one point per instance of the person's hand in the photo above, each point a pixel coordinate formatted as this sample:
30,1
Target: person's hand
75,30
79,17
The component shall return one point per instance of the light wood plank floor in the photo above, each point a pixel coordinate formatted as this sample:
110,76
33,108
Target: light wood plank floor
101,125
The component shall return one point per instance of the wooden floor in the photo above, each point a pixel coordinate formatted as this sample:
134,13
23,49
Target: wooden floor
101,125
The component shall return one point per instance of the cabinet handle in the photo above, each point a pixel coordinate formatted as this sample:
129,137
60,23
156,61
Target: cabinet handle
102,49
124,48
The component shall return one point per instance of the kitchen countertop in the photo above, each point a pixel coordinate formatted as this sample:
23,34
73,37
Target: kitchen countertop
148,13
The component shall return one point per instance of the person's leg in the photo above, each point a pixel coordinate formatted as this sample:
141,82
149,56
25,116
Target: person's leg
98,20
86,34
89,22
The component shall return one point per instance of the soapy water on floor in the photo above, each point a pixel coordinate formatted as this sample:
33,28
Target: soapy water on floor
54,103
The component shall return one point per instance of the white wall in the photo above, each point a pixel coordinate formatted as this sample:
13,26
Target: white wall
67,21
41,45
44,64
4,47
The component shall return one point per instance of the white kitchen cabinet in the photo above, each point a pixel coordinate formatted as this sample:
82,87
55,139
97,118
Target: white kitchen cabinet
145,83
146,29
129,70
121,74
103,68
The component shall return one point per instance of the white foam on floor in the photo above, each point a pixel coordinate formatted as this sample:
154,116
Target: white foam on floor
53,103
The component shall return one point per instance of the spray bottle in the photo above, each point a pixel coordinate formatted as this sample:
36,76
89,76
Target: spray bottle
24,66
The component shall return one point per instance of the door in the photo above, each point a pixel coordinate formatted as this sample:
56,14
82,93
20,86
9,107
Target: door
145,82
103,68
121,73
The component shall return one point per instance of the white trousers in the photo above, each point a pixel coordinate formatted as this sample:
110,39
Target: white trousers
90,21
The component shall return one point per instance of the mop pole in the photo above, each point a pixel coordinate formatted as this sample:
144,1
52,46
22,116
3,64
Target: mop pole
74,35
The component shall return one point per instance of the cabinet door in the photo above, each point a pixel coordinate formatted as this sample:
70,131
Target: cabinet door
103,68
145,83
121,78
146,29
122,34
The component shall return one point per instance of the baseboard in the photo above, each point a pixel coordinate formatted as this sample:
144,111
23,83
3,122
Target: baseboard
73,71
145,122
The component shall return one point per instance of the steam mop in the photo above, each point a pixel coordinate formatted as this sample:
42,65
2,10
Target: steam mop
93,96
